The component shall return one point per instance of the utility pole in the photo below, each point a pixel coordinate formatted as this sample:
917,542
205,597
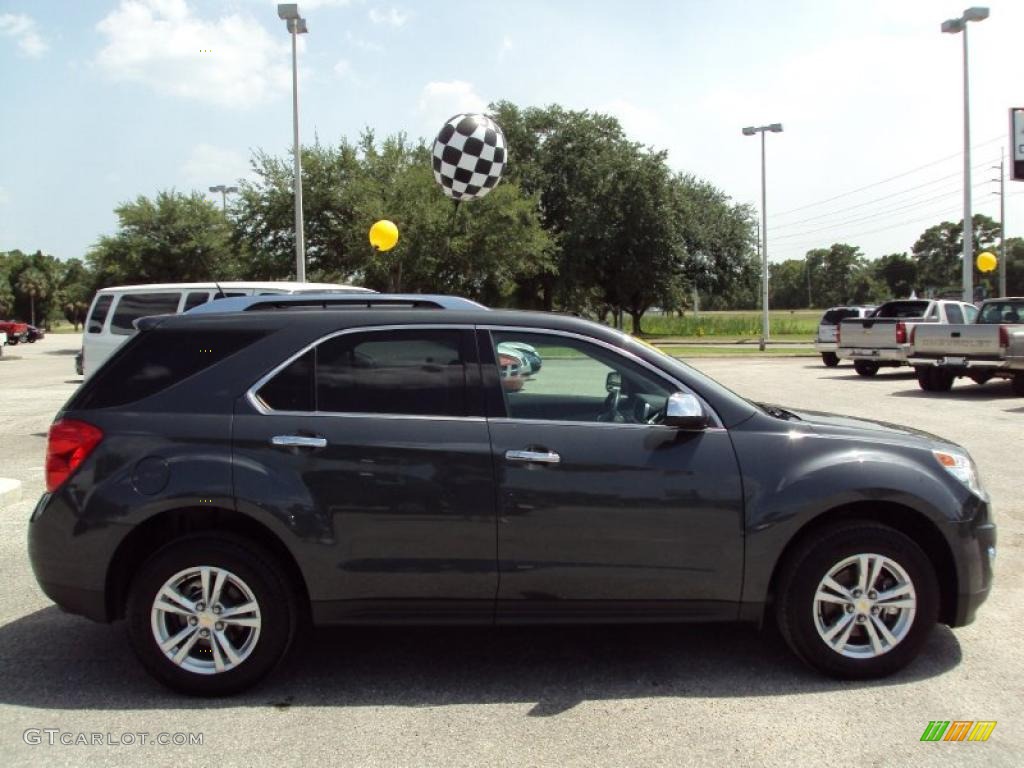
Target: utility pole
1002,223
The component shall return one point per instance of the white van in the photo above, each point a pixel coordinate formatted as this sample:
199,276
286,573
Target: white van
109,323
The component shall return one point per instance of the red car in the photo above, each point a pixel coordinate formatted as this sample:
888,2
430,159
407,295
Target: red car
16,332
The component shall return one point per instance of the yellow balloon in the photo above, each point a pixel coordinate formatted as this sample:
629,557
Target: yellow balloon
384,235
987,262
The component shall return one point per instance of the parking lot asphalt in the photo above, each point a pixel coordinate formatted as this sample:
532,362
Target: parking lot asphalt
675,695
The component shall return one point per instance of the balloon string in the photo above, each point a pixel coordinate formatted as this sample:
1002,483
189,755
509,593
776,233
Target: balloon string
451,229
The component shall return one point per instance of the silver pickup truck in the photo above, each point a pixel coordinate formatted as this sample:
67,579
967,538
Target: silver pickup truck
990,347
884,338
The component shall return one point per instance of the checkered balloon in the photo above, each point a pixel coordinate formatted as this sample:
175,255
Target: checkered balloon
469,156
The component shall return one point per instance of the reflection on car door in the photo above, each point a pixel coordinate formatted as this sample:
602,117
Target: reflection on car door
599,510
391,488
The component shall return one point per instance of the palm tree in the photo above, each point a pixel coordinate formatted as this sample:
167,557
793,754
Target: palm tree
33,283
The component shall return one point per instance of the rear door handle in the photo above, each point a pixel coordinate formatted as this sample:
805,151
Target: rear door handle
298,441
538,457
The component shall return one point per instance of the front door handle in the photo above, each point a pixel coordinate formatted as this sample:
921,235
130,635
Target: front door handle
298,441
538,457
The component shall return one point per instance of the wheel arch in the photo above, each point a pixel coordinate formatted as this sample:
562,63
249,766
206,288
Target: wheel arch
914,524
163,528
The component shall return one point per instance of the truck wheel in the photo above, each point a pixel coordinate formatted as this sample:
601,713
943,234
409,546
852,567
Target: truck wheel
211,615
942,381
1018,384
925,378
865,367
831,359
858,600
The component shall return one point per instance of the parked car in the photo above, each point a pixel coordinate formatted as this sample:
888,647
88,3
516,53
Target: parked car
825,340
366,466
883,339
16,332
34,334
991,347
109,323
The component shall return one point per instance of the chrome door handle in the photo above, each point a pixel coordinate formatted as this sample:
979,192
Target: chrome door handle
298,441
539,457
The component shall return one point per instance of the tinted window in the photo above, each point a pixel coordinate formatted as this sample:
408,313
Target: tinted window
292,389
195,299
555,378
954,314
1002,312
836,316
415,372
99,313
132,306
155,360
902,309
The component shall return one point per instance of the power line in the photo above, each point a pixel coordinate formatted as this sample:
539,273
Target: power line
886,181
839,211
880,215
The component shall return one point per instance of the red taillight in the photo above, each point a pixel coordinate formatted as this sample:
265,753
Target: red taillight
69,444
1004,336
901,333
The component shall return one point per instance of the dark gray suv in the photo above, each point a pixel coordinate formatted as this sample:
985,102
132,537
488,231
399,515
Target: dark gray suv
226,478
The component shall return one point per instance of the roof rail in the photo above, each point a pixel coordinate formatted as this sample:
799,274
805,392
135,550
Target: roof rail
313,301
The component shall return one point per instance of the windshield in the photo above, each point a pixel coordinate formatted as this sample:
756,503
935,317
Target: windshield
1002,312
836,316
903,309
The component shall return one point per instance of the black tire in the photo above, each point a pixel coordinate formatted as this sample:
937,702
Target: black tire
260,572
808,565
924,378
831,359
865,367
942,380
1018,384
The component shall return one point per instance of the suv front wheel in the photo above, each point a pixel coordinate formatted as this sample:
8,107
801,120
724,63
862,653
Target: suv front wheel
210,615
857,600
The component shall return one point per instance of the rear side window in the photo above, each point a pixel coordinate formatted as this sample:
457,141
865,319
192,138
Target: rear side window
156,360
970,313
836,316
956,317
132,306
193,300
903,309
99,313
402,372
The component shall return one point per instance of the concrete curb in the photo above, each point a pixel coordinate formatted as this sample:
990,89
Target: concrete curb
10,491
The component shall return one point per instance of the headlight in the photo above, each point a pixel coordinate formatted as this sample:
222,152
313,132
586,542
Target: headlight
962,467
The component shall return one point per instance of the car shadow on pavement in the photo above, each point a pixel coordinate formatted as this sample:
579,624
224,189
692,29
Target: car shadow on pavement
62,352
50,660
881,376
1002,390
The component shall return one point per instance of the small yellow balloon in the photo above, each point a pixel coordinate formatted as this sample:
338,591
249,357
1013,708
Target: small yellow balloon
384,235
987,261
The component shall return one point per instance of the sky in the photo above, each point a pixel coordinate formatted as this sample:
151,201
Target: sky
105,100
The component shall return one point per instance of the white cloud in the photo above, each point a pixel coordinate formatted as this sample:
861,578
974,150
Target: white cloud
392,17
208,166
22,28
441,100
229,61
507,46
639,123
364,45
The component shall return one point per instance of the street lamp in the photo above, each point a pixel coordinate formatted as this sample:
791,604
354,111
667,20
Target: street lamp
953,26
773,128
296,26
224,192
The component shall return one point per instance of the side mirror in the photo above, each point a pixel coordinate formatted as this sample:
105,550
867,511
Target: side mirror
613,382
684,411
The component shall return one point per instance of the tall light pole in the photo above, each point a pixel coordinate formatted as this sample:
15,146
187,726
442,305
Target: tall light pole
774,128
224,192
953,26
296,26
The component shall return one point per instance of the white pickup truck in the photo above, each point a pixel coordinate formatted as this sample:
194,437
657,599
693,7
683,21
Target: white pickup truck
990,347
883,339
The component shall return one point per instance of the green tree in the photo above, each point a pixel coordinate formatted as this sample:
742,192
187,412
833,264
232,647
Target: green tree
171,238
898,272
938,252
75,292
34,284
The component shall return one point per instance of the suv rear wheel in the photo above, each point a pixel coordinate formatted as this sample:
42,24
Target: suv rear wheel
858,600
831,359
210,615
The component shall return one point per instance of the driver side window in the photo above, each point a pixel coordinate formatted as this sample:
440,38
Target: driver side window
556,378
